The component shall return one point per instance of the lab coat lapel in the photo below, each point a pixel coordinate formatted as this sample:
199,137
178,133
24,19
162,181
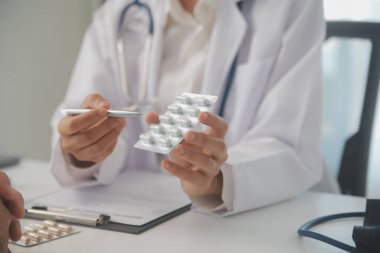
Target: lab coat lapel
228,33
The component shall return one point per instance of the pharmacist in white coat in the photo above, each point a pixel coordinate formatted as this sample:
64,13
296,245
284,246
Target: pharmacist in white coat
272,110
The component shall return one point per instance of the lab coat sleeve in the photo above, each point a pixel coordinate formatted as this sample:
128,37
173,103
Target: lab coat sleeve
92,74
279,157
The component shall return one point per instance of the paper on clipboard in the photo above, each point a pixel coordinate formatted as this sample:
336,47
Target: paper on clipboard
135,198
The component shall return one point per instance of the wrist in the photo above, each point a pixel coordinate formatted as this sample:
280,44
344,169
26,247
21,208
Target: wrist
216,186
213,197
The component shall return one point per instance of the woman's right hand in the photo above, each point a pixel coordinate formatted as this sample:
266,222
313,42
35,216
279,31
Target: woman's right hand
90,137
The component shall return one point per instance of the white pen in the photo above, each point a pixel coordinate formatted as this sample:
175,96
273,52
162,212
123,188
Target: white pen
111,112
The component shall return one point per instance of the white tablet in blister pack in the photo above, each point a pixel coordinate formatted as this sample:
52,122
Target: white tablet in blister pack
44,232
180,117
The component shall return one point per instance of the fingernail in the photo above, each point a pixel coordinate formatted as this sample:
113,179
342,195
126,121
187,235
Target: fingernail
18,230
190,136
166,164
204,116
180,150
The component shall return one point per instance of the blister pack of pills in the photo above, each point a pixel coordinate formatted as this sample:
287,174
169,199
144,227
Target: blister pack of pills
43,232
180,117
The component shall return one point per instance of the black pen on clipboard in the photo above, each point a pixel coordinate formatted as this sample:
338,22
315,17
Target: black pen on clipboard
87,219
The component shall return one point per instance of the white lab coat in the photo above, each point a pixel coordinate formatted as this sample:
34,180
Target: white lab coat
273,110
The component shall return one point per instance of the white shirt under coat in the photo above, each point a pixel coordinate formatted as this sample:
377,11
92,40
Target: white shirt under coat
186,43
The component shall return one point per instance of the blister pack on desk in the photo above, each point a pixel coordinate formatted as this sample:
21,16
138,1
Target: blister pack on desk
43,232
180,117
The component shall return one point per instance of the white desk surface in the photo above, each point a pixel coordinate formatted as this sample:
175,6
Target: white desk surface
267,230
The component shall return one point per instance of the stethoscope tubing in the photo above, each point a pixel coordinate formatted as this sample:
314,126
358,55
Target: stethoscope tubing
142,99
304,230
136,3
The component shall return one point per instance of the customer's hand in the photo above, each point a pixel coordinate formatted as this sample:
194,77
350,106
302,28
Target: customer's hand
91,137
197,160
11,209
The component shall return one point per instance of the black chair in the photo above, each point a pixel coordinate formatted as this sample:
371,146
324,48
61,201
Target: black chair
353,167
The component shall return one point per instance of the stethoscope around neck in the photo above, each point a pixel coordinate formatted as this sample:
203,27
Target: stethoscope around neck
143,99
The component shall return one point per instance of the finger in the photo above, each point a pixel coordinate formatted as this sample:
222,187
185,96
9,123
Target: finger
152,118
109,149
15,232
12,198
4,245
184,174
218,125
176,159
95,101
94,151
70,125
180,161
207,163
6,191
216,146
92,135
16,205
5,218
191,146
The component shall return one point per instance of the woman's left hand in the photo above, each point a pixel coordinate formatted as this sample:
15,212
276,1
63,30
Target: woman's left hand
197,160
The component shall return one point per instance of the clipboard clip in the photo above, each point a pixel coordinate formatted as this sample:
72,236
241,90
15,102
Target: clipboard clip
74,217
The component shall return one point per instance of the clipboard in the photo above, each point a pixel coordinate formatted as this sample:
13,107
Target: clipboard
134,203
125,228
114,226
